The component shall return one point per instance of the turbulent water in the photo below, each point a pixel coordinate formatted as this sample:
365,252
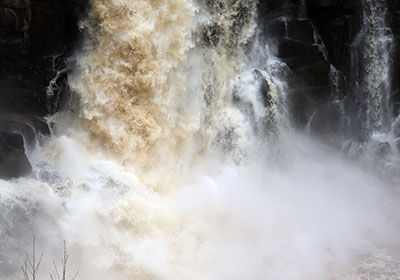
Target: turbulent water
175,160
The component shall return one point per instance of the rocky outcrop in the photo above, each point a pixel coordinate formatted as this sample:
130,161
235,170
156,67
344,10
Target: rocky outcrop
36,37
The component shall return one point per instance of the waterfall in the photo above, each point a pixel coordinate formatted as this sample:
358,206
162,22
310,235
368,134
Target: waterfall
148,91
373,50
175,159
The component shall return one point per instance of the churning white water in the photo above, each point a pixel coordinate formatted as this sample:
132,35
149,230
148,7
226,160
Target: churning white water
312,215
173,164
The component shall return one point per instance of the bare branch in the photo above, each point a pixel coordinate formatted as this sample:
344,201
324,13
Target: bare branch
75,276
30,267
55,275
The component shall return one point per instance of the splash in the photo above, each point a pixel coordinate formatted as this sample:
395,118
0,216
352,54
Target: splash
313,216
166,171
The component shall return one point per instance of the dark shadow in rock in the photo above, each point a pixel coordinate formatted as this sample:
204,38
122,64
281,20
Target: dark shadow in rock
13,161
17,133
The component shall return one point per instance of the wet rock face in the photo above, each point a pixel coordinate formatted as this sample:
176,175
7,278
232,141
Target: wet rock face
36,37
315,40
297,42
339,23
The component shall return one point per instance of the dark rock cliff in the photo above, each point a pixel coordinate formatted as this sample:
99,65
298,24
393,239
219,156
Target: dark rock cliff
315,40
36,36
298,43
338,23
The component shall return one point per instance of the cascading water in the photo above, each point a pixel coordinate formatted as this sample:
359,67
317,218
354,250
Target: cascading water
169,170
372,67
373,51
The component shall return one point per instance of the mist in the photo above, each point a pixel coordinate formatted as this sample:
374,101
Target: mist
177,157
